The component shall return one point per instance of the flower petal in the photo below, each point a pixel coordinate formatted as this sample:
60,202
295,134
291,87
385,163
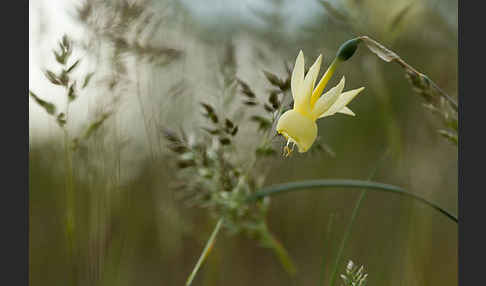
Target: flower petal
302,130
297,75
327,100
342,101
313,72
302,103
347,111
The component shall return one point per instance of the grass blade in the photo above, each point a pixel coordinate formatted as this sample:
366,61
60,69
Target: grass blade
326,240
281,253
346,236
205,253
326,184
351,223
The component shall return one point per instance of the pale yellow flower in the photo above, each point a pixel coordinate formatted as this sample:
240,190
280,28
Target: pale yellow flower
298,125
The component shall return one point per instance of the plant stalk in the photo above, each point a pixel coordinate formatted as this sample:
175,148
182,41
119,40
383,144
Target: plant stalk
205,252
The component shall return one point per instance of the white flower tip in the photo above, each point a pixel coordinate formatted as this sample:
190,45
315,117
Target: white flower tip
358,90
347,111
319,61
301,54
341,83
299,61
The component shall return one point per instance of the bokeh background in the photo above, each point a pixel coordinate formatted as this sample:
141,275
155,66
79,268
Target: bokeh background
131,226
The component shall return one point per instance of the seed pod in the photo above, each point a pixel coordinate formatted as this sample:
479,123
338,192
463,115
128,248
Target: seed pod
212,131
273,99
228,123
246,89
52,77
73,66
71,94
274,80
264,123
210,112
224,140
48,107
268,108
250,103
234,131
61,119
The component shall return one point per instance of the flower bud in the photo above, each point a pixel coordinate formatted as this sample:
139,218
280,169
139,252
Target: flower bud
347,49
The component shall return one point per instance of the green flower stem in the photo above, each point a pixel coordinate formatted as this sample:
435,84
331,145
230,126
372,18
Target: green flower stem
205,253
347,184
325,79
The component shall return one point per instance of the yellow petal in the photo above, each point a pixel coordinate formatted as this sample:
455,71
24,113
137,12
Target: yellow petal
300,129
313,72
342,101
297,75
302,103
328,99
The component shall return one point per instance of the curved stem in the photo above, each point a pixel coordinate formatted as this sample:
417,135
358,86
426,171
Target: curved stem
282,255
325,184
408,67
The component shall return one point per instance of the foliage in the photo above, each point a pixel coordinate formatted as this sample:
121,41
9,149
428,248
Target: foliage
354,275
106,218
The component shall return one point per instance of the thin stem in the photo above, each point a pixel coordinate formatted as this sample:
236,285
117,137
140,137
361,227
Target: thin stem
205,253
326,240
351,223
142,110
346,236
408,67
70,221
324,185
280,251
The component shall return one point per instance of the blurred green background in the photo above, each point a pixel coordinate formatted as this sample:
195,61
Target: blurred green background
132,228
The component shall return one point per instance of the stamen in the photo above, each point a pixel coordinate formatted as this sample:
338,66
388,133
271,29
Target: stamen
286,150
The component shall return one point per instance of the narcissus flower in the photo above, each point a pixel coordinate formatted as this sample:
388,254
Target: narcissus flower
298,125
